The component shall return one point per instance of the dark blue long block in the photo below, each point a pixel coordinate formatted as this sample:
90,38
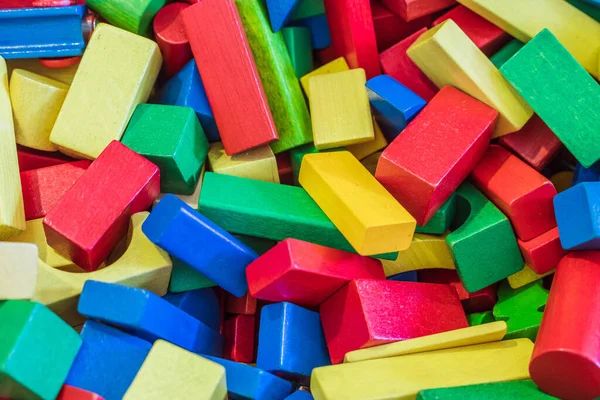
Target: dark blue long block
408,276
577,211
319,30
202,304
148,316
200,243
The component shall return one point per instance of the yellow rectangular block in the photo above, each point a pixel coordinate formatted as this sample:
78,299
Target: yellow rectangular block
170,372
18,270
259,163
449,58
116,73
364,150
579,33
357,204
64,75
337,65
485,333
34,234
340,108
401,378
525,277
425,252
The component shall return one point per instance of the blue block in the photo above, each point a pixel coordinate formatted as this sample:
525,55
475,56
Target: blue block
107,361
148,316
319,30
247,382
41,32
280,12
595,3
197,241
393,104
202,304
291,341
583,174
185,89
300,395
577,212
409,276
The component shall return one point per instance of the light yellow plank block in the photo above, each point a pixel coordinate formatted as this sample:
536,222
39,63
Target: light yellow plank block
364,150
337,65
370,162
425,252
485,333
340,108
259,163
116,73
525,277
449,58
12,213
36,101
64,75
400,378
170,372
18,270
579,33
34,233
191,200
357,204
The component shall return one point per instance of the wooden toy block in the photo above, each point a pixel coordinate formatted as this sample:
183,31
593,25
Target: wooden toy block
258,163
582,174
44,187
484,246
72,393
201,304
281,12
525,277
393,104
268,210
64,75
410,10
36,101
172,372
132,15
189,199
565,361
36,351
523,389
18,270
408,276
29,159
306,274
403,377
586,8
390,28
245,305
284,168
476,319
550,79
300,395
576,31
423,180
576,212
506,52
562,180
425,252
365,149
170,36
290,341
127,181
308,8
230,75
465,67
87,124
441,220
299,46
390,311
297,155
239,338
542,253
473,335
185,278
10,4
108,360
337,65
34,234
318,26
340,110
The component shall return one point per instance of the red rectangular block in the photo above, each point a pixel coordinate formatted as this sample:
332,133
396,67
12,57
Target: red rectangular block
425,164
8,4
245,305
239,338
522,193
412,9
367,313
390,28
229,74
33,159
544,252
93,216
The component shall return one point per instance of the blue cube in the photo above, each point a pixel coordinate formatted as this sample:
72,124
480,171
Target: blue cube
577,212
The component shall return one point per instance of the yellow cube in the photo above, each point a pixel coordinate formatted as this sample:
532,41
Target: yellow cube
337,65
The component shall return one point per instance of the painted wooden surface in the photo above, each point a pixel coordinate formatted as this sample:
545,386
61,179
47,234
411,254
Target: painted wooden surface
72,393
299,46
506,52
202,304
132,15
337,65
240,339
425,252
320,35
245,305
409,10
525,277
522,389
281,12
576,212
365,149
170,37
18,270
543,252
391,28
189,199
34,234
64,75
441,220
32,159
258,163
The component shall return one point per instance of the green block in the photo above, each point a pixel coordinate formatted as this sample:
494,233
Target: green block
522,390
441,220
588,9
299,45
296,156
522,309
173,139
132,15
484,246
308,8
282,88
259,245
269,210
37,349
505,53
184,278
480,318
561,92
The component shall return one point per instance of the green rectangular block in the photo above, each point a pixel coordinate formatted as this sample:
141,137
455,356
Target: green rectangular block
299,45
588,9
441,220
522,390
308,8
185,278
132,15
505,53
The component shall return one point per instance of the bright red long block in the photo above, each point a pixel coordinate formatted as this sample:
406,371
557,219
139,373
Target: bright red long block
425,164
306,274
33,159
72,393
412,9
566,357
239,338
544,252
93,216
367,313
390,28
8,4
229,75
245,305
522,193
171,38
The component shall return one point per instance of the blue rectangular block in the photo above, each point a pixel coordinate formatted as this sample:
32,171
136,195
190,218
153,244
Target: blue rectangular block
319,30
202,304
409,276
300,395
583,174
577,211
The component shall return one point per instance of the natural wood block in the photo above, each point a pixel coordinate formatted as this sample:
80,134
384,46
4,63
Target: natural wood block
258,163
132,15
337,65
425,252
34,233
64,75
18,270
409,10
365,149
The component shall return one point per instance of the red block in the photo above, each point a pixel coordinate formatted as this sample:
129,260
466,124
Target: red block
353,34
424,165
544,252
72,393
43,188
8,4
306,274
566,357
398,65
239,338
284,166
229,75
93,216
390,28
33,159
410,10
535,143
171,38
522,193
245,305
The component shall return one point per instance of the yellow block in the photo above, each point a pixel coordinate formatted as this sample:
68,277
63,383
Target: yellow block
116,73
36,101
191,200
18,270
64,75
259,163
12,213
364,150
142,265
485,333
525,277
449,58
425,252
370,162
340,108
34,233
579,33
400,378
337,65
170,372
357,204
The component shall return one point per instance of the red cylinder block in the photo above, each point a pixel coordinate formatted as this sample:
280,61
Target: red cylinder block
171,38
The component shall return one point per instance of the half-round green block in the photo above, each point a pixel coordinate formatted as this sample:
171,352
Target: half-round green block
132,15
